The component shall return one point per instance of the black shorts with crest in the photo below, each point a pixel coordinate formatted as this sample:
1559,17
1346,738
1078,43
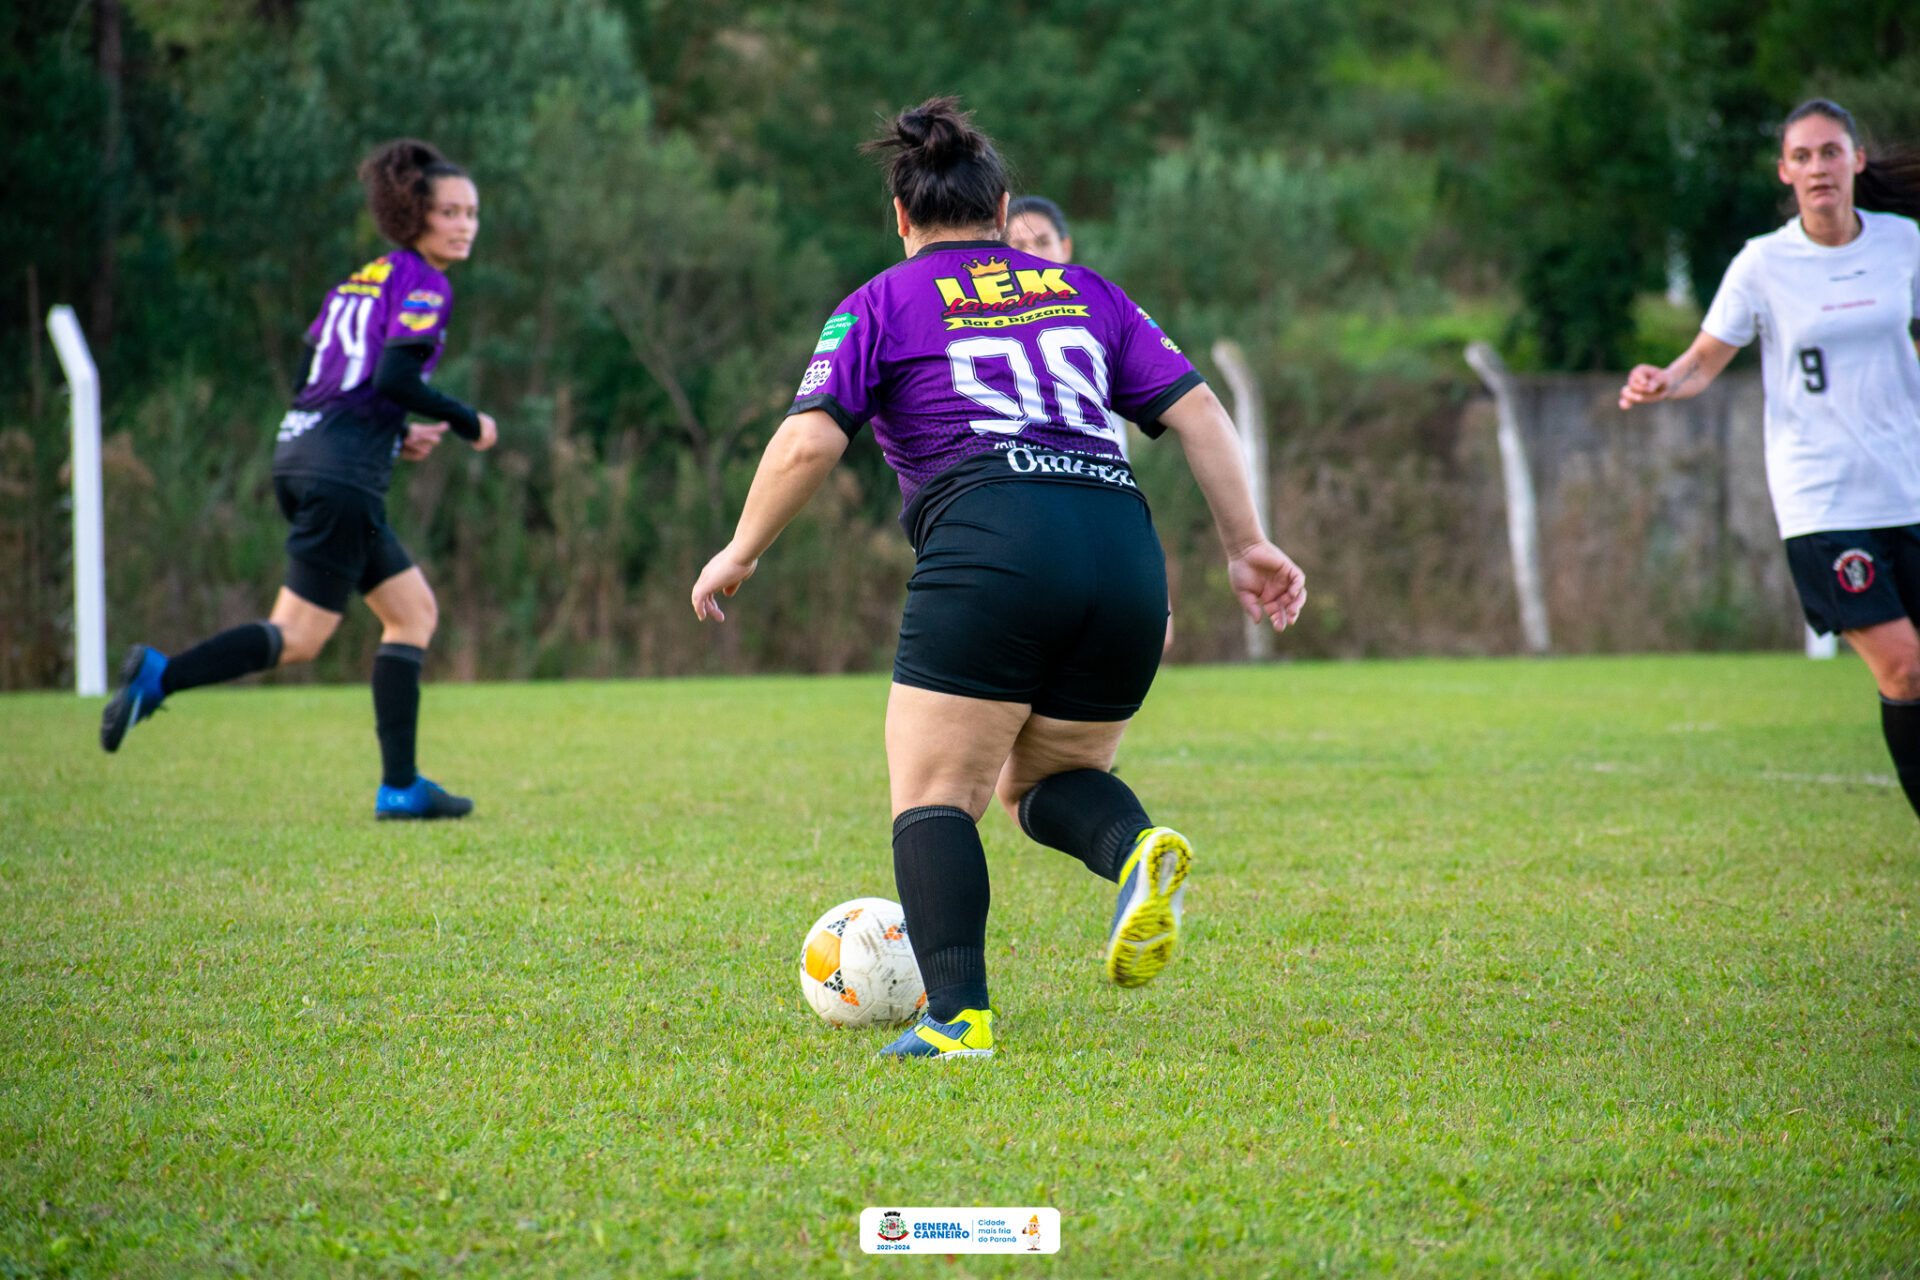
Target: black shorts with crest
1854,578
1045,593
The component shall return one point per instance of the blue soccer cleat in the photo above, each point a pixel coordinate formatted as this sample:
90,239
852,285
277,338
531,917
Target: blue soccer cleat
969,1035
422,801
138,697
1146,918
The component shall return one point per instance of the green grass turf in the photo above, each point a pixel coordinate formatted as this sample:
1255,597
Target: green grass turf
1596,967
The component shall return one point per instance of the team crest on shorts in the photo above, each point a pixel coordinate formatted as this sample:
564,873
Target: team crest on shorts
1854,568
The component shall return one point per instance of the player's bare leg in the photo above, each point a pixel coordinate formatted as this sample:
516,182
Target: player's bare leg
304,626
1891,651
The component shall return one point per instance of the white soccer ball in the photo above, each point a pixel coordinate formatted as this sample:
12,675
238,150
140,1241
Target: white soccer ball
857,967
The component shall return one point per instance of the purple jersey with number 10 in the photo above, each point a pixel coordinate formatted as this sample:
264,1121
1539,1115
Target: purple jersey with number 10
975,362
340,427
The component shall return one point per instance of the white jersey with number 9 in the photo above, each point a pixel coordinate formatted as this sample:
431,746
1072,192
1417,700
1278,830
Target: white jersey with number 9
1842,378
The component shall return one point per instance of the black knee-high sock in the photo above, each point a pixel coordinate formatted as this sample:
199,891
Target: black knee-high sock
1088,813
941,873
238,652
396,710
1900,722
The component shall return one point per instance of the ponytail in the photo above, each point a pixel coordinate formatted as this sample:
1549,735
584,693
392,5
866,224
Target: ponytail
1890,183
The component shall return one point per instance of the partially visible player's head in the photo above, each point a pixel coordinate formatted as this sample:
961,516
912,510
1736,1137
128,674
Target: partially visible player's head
1824,160
1035,225
944,173
422,200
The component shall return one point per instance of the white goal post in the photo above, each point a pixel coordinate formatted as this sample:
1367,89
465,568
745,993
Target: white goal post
1249,415
89,542
1523,530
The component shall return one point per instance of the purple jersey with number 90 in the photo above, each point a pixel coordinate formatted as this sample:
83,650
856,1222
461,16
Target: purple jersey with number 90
974,355
340,427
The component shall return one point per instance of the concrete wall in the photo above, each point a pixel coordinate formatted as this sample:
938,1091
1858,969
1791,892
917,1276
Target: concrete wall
1656,528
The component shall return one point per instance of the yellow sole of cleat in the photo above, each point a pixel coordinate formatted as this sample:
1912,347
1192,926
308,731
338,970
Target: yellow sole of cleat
1150,927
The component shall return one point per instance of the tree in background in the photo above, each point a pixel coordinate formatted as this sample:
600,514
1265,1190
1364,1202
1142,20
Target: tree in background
1586,194
670,194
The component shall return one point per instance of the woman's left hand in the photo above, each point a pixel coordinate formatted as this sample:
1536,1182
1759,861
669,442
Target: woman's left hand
722,577
421,439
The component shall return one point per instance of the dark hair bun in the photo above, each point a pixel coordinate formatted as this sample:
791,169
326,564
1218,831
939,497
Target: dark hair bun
939,133
945,171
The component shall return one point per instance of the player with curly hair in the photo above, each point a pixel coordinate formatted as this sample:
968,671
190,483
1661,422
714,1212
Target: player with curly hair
374,344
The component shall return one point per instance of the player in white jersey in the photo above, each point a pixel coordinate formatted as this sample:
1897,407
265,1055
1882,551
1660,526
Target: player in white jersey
1833,297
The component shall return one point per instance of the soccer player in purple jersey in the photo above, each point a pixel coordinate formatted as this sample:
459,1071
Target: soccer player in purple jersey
1036,225
994,381
374,344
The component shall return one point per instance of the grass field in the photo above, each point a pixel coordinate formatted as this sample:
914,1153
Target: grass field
1595,967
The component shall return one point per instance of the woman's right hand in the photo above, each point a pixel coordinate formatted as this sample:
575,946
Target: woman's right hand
1646,384
1268,583
489,433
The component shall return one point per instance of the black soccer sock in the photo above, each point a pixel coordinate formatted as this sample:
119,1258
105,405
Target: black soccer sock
940,871
1900,722
396,710
238,652
1088,813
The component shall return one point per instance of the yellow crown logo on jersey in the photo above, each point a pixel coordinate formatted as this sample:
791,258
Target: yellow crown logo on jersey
375,272
1000,297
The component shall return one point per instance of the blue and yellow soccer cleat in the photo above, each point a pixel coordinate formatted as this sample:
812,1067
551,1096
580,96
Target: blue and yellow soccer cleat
1146,919
970,1035
422,801
138,697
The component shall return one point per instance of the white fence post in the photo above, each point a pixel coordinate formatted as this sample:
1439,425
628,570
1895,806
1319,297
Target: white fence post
1523,525
89,540
1250,416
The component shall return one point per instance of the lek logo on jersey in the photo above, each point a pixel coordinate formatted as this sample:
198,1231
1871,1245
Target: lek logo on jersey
1854,568
368,279
993,297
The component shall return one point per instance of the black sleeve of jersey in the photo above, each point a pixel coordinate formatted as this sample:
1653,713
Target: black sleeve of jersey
1150,417
830,406
399,379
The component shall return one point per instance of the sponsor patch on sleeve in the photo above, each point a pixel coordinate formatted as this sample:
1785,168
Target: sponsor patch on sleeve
835,332
420,310
816,377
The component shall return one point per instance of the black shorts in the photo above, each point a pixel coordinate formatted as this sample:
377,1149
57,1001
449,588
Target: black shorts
1854,578
1048,593
340,541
